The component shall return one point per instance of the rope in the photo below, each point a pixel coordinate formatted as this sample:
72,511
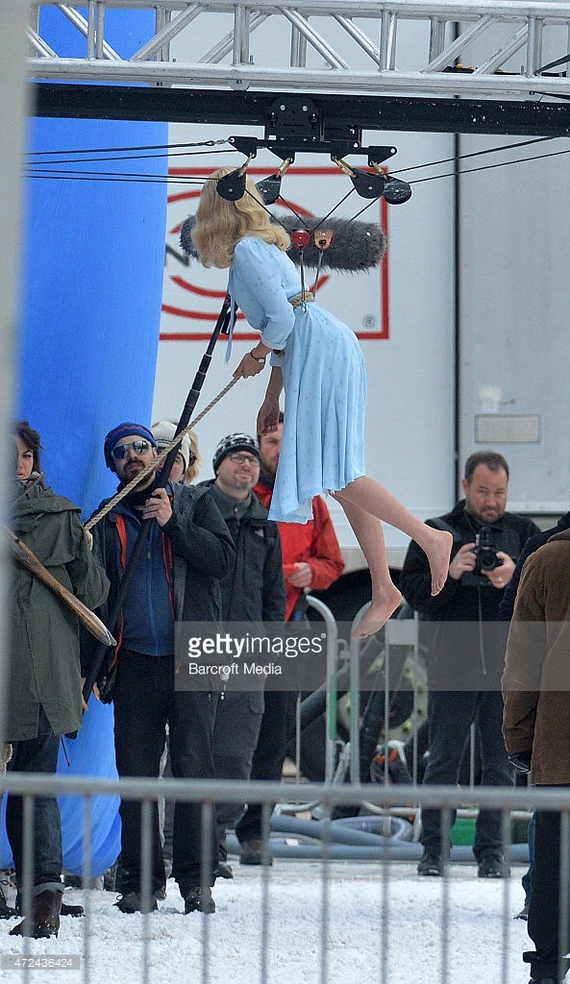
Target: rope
155,461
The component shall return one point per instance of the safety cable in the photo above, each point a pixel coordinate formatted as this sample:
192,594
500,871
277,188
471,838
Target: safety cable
475,153
490,167
211,143
113,177
118,150
115,159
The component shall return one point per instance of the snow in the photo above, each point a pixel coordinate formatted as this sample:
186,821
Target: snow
301,921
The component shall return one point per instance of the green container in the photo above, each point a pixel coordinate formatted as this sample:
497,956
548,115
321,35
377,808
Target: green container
463,831
519,831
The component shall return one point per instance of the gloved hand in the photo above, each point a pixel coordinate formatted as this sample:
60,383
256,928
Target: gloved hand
521,760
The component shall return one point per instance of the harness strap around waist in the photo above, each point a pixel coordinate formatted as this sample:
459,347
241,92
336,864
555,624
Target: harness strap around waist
305,297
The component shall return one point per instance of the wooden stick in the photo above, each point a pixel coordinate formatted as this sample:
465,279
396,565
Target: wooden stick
28,559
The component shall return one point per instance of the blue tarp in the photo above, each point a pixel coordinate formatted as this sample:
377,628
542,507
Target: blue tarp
92,288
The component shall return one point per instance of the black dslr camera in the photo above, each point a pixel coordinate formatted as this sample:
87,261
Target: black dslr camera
485,553
485,558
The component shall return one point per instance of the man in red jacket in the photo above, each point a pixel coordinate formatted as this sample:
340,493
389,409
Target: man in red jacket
311,561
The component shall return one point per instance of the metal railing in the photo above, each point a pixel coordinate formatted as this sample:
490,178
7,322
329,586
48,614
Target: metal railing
300,833
324,841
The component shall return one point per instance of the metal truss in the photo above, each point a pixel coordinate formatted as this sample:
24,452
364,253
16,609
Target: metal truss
318,70
326,46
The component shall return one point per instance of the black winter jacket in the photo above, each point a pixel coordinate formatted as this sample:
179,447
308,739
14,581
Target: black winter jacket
463,655
254,590
202,554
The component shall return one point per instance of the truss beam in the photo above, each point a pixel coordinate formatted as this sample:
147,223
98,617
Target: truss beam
331,46
255,109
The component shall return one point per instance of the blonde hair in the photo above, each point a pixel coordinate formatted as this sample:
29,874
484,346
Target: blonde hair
193,470
164,431
221,224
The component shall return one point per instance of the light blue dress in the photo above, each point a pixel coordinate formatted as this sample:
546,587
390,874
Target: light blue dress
324,378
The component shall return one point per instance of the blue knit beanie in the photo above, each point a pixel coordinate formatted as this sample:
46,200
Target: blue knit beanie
124,430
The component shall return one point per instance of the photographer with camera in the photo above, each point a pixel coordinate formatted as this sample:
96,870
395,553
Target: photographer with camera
466,645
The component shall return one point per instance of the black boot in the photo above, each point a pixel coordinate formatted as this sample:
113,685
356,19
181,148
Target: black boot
66,908
6,911
44,918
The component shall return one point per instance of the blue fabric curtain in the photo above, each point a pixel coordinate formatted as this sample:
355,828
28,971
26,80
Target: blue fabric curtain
92,288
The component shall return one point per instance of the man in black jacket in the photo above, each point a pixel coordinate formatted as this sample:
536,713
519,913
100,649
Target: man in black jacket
254,591
188,549
466,647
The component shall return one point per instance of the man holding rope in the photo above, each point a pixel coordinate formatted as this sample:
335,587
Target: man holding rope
187,551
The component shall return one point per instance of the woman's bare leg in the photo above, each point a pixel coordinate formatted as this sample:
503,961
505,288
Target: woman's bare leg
376,500
385,595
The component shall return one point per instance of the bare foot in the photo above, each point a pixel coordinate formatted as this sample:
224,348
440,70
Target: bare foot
438,553
378,614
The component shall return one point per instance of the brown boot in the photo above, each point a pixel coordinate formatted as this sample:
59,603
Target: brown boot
44,919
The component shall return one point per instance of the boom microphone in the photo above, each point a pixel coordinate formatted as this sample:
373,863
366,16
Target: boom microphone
354,246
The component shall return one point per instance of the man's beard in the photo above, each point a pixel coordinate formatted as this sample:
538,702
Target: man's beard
487,519
138,496
266,477
131,469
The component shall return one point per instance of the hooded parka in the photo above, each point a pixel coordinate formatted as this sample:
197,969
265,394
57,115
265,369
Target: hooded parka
44,667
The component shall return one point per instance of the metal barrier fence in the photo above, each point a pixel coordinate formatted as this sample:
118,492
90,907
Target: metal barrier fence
338,904
331,854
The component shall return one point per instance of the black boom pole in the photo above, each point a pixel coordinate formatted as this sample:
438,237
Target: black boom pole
160,482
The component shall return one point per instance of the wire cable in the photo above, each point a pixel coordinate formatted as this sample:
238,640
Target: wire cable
130,151
476,153
143,147
170,179
490,167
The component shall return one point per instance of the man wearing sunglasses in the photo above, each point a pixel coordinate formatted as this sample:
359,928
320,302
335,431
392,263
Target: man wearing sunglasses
187,551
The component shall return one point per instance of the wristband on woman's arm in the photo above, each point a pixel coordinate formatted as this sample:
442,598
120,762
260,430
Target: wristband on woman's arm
257,359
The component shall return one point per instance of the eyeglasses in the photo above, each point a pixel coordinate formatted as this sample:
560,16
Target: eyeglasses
123,450
243,459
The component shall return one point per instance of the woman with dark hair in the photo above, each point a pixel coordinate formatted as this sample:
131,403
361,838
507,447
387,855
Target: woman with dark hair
44,677
316,359
28,446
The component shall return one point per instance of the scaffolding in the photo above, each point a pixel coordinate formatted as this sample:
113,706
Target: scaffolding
509,48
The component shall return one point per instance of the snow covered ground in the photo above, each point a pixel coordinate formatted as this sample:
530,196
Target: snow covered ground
364,922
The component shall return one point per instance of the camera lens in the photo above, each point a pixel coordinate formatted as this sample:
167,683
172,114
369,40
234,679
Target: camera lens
485,550
488,560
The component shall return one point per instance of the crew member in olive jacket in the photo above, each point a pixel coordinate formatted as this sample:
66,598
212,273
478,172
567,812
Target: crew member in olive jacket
44,685
187,550
536,729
